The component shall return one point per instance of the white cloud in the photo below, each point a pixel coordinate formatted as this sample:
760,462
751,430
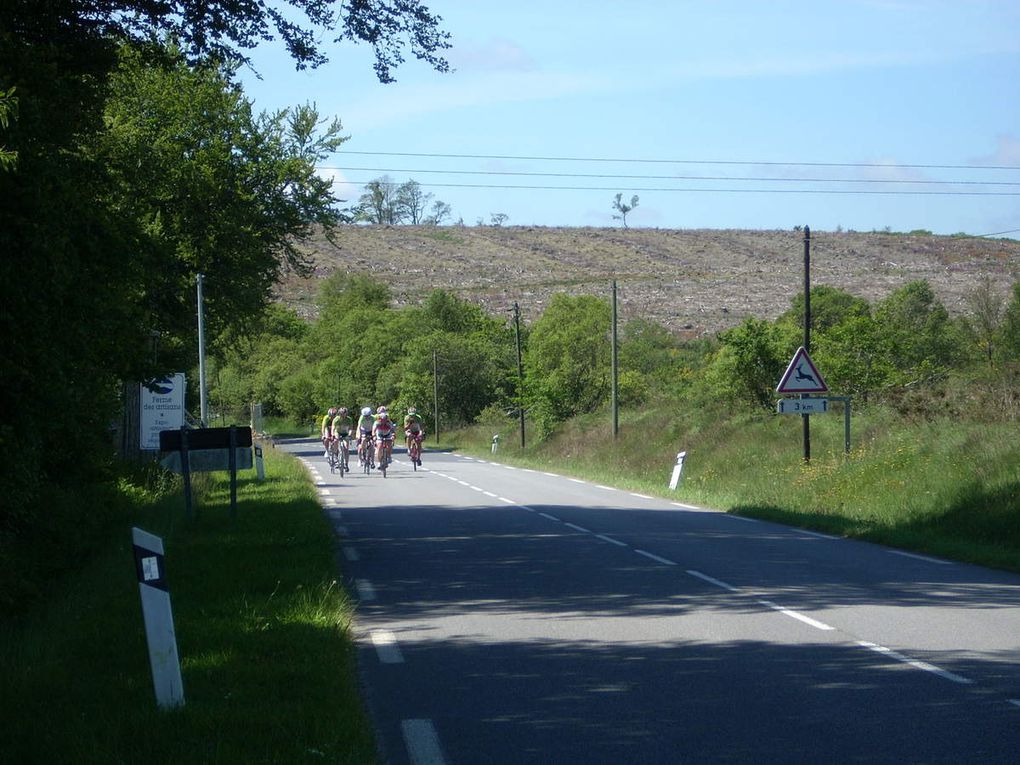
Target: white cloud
495,55
1007,152
342,188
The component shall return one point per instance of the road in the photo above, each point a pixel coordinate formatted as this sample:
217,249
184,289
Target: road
515,616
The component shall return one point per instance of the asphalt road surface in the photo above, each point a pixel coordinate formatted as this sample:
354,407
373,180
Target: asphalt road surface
514,616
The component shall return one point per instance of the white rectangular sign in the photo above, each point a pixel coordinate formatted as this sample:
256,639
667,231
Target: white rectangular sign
161,405
802,405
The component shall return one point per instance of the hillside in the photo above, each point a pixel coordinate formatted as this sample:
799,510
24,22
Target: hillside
695,282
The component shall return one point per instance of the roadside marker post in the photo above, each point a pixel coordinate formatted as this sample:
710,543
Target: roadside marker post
678,470
495,443
159,621
260,466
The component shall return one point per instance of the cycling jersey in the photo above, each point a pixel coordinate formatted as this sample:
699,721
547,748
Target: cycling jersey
365,423
324,428
383,427
341,426
413,423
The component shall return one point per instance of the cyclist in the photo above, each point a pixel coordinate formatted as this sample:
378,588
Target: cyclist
365,423
324,428
341,428
383,432
414,429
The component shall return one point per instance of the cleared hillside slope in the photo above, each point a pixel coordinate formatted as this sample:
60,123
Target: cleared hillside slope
695,282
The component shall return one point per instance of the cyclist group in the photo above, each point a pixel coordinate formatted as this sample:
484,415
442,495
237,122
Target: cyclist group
379,429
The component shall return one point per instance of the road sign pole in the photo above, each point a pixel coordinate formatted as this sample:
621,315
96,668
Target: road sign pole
807,330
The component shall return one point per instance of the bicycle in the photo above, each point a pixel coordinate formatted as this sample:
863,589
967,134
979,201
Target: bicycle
332,455
382,455
366,455
345,453
414,448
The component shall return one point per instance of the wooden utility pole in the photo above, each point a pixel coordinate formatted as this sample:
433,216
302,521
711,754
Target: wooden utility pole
520,370
807,332
616,372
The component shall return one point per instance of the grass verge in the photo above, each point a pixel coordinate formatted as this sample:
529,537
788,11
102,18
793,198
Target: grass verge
948,488
262,630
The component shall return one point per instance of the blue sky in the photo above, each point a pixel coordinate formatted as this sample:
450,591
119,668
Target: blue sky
723,114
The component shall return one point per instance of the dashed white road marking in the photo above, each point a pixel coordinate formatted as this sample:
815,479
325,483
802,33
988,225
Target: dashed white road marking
607,488
462,483
489,494
642,496
550,517
582,529
365,589
386,647
576,480
351,554
551,475
794,615
508,501
422,742
1015,702
617,542
712,580
654,557
816,534
925,558
685,507
916,664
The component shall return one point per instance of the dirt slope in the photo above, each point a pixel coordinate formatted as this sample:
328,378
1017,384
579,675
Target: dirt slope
695,282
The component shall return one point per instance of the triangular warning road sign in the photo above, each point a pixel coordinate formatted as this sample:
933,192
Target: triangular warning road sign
801,376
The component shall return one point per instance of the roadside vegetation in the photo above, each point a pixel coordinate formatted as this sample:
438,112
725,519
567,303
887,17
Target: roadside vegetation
262,630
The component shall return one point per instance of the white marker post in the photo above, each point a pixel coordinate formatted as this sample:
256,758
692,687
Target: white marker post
678,470
260,466
159,621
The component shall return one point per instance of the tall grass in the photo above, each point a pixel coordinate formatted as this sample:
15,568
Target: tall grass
262,631
946,487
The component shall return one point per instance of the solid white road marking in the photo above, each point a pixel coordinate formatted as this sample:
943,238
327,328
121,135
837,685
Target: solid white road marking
925,558
794,615
604,538
656,558
365,589
324,492
578,528
711,580
685,507
607,488
914,663
642,496
386,647
576,480
422,742
351,554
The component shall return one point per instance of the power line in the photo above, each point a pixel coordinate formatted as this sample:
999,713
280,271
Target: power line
668,177
862,192
762,163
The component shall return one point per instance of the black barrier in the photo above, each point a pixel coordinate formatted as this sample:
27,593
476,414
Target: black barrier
208,442
204,438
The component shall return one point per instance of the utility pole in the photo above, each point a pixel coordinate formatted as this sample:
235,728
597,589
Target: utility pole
435,388
807,332
616,375
520,370
203,407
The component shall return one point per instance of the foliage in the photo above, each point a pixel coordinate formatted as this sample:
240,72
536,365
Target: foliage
623,207
384,202
749,363
567,362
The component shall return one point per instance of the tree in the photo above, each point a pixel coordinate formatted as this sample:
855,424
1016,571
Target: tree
923,340
498,219
1010,333
987,310
749,363
440,212
8,109
567,360
380,204
412,202
225,29
623,207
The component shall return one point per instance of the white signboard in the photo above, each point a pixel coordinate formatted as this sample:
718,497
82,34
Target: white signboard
802,405
162,408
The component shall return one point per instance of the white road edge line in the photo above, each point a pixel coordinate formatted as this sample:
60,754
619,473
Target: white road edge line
712,580
642,496
575,527
1014,702
607,488
386,647
576,480
617,542
817,534
550,517
914,663
794,615
656,558
925,558
685,507
422,742
508,501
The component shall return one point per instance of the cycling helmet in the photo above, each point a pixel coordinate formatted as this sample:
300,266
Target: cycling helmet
332,411
381,410
343,411
367,411
411,410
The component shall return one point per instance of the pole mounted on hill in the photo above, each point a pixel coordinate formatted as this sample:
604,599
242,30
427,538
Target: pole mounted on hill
807,332
520,370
